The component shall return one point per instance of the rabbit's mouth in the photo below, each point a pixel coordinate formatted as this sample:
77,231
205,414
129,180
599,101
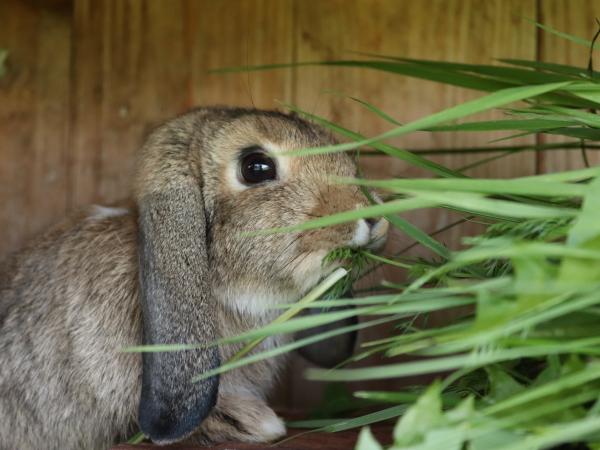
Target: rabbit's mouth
367,234
378,236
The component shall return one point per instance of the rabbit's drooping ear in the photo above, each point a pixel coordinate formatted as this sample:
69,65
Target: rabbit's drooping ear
175,291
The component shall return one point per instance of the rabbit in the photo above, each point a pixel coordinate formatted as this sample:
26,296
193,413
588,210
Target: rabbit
172,266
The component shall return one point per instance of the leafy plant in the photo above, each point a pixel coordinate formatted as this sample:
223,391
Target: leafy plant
519,368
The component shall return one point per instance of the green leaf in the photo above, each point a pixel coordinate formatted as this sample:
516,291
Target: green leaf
567,36
366,441
501,73
418,235
367,419
587,224
502,385
529,186
510,124
424,415
137,438
573,71
383,209
441,364
243,360
588,91
404,155
407,69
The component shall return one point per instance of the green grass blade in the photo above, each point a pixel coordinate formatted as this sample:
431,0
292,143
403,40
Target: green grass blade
382,209
482,186
567,36
404,155
242,360
442,364
507,125
418,235
573,71
491,101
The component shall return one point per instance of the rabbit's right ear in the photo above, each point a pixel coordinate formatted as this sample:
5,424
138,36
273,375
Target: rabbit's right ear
175,291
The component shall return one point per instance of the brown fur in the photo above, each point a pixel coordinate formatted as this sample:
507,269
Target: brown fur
71,300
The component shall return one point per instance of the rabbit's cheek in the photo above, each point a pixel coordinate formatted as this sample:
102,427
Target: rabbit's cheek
254,300
309,271
330,238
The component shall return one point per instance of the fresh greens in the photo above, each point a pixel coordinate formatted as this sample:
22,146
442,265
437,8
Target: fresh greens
518,368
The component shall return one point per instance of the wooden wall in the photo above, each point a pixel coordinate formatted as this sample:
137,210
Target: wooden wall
87,79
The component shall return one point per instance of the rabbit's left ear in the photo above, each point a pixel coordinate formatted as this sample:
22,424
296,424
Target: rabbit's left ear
175,291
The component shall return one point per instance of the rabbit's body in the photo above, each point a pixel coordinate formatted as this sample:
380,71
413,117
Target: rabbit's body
63,382
93,403
174,268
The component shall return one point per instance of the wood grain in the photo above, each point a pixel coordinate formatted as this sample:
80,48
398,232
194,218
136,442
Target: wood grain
240,33
34,118
131,72
87,79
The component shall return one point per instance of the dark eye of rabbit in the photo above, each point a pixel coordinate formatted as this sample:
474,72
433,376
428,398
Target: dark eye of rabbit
257,167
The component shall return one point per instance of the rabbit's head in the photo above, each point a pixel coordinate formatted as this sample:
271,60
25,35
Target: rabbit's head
204,181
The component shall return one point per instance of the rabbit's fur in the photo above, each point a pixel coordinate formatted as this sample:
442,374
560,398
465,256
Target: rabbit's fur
173,267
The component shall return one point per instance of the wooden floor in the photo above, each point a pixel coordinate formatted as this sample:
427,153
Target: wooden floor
344,440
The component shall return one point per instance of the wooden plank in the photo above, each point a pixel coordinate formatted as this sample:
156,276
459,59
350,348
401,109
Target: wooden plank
469,31
34,118
342,440
145,74
238,33
86,102
131,72
577,17
457,30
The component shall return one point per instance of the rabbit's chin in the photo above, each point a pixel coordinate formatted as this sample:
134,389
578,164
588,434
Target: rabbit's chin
311,270
258,299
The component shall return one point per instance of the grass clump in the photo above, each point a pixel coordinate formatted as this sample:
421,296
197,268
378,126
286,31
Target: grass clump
518,368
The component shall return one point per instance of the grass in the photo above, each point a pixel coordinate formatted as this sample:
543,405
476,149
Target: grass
519,369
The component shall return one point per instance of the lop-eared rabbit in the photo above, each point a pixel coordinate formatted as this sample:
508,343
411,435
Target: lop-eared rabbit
173,267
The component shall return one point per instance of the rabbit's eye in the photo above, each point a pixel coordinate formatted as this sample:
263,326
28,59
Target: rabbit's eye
257,167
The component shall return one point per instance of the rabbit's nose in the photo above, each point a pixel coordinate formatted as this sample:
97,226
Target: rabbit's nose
370,233
378,230
372,221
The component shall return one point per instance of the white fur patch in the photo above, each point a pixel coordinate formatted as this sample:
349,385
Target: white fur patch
259,301
308,272
272,427
255,302
378,235
362,234
104,212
